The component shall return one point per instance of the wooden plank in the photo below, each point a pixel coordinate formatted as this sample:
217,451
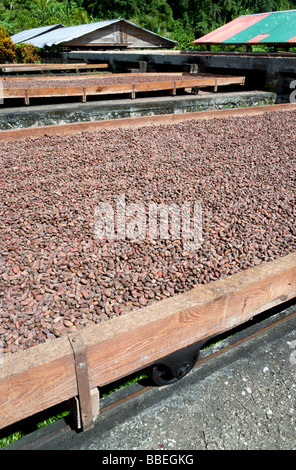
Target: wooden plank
225,79
231,80
76,77
43,92
171,85
67,91
44,375
45,64
43,67
52,65
55,78
154,86
58,78
133,93
27,99
110,89
175,75
216,85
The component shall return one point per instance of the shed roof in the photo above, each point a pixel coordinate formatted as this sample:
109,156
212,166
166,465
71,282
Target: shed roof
264,28
24,36
66,34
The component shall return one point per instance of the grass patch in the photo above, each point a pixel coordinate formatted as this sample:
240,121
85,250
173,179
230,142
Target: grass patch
27,426
19,430
109,389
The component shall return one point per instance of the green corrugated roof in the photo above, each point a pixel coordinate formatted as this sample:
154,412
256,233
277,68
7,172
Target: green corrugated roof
279,26
263,28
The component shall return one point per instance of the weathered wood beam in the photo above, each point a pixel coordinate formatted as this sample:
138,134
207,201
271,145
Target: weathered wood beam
5,68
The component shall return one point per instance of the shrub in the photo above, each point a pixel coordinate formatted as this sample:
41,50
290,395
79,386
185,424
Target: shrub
28,53
7,47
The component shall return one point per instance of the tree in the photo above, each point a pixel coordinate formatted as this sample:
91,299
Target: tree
228,7
215,10
179,19
7,48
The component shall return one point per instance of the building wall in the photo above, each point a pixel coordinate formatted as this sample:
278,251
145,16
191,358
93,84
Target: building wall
120,34
104,36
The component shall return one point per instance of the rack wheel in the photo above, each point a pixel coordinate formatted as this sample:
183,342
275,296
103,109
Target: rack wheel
174,367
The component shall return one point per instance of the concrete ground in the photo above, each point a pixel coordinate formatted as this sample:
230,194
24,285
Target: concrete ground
244,399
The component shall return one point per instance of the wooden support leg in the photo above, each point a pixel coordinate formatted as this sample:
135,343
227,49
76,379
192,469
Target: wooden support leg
174,90
193,68
84,412
27,99
95,402
83,99
216,85
74,406
133,93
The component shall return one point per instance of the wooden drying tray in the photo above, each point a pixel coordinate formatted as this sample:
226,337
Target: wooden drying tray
13,68
130,88
45,375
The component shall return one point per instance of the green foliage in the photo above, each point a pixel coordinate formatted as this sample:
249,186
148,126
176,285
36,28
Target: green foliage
28,53
180,20
19,15
184,36
7,48
29,425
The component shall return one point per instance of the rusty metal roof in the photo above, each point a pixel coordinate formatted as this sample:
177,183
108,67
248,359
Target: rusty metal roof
262,28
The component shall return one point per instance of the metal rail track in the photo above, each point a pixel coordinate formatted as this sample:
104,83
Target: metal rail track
267,321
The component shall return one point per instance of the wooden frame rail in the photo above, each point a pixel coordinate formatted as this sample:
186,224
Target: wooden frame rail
131,88
45,375
177,75
13,68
